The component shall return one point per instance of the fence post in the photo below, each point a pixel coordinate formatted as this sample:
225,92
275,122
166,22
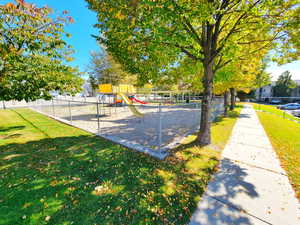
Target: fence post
53,112
70,112
159,127
98,118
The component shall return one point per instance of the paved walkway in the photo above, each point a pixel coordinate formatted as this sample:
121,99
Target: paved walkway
250,187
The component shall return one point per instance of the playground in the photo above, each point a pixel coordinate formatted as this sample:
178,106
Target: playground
150,123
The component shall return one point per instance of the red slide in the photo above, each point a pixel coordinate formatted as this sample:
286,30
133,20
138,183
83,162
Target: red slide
139,101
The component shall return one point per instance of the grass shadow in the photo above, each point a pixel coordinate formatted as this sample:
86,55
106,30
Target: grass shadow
12,128
85,179
77,178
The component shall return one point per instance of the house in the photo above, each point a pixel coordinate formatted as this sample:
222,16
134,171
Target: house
265,93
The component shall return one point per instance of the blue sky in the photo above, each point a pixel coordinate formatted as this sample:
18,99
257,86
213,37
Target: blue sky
293,67
82,30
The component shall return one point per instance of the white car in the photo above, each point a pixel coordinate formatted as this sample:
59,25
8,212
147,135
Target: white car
296,113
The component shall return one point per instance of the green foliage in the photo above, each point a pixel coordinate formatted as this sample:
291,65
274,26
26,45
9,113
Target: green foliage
284,85
150,37
288,47
262,77
52,173
184,76
94,84
32,52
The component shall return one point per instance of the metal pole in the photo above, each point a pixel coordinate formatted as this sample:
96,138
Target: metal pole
53,112
70,112
110,104
116,99
159,127
103,108
98,118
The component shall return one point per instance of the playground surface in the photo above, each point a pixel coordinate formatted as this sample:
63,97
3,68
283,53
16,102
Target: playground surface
120,124
153,127
250,186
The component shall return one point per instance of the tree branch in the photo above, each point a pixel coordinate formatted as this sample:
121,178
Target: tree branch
189,54
188,26
237,22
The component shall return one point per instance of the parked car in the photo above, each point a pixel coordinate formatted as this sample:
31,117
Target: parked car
290,106
296,113
275,101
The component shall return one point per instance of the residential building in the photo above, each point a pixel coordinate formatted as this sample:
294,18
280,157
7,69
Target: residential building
266,92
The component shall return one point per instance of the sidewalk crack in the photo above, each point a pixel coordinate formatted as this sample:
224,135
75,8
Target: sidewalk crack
238,209
258,167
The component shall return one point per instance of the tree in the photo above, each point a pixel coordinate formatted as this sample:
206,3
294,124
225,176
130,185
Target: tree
284,85
149,37
240,76
103,68
32,53
94,84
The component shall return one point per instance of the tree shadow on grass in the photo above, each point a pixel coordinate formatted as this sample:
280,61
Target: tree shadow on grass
86,180
12,128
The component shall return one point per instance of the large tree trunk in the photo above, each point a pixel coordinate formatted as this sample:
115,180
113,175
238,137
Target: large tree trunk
204,135
232,98
226,103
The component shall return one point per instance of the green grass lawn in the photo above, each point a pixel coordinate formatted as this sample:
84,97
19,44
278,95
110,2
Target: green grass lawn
52,173
285,138
274,110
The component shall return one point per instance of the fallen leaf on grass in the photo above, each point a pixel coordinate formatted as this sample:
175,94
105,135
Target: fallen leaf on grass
47,218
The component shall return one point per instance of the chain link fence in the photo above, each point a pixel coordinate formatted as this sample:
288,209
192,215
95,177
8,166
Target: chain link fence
154,128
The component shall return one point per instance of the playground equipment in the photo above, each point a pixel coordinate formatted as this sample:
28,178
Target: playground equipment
119,91
132,98
132,108
128,94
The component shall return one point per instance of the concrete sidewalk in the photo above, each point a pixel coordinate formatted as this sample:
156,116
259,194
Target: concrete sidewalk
250,186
